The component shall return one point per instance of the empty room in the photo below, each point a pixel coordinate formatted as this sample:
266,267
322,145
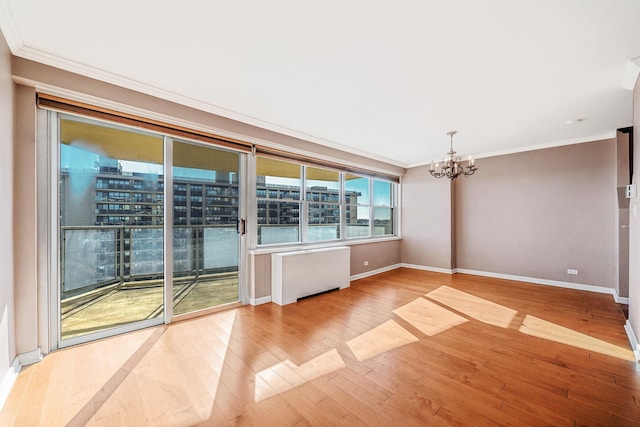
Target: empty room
319,213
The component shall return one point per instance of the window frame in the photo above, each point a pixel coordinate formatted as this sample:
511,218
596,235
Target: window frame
304,201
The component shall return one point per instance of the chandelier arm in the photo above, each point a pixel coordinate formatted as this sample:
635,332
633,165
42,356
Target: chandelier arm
453,166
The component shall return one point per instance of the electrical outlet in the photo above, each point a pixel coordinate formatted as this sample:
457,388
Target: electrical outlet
572,271
366,263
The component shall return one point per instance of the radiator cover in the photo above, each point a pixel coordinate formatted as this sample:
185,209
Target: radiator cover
299,274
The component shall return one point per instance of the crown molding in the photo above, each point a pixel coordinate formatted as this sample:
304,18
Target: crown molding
9,28
561,143
572,141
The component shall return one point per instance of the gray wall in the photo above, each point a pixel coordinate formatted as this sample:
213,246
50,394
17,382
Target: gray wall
379,255
537,214
7,335
634,223
427,225
25,226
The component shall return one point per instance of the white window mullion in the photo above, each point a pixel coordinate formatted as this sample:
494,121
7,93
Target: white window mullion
343,207
251,202
304,211
53,188
371,208
246,214
168,229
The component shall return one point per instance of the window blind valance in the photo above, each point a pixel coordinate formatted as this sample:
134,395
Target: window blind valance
311,161
52,102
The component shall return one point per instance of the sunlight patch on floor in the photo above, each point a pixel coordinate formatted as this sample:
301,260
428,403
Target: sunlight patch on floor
427,317
286,375
172,372
478,308
550,331
379,340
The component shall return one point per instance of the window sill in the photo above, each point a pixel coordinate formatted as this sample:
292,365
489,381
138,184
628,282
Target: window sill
285,247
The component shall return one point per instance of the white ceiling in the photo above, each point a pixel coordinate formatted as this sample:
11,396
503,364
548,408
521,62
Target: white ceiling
383,78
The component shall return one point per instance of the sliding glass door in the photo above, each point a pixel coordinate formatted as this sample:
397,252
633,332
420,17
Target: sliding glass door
114,219
205,227
111,239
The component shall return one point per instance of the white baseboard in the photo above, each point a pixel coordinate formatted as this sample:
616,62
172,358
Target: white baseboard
633,339
374,272
426,268
619,299
258,301
30,358
8,379
556,283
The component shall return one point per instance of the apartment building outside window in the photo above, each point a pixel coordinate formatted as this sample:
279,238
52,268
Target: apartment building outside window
334,205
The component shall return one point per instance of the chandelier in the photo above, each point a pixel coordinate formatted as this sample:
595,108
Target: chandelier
452,167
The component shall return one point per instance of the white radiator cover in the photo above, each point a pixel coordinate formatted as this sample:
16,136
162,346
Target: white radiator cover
299,274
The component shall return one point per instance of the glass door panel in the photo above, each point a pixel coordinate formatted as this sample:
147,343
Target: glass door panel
111,219
205,220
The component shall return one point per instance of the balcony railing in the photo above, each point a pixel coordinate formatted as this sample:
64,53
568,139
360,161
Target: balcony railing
93,257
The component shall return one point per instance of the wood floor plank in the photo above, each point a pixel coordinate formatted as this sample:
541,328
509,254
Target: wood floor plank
293,366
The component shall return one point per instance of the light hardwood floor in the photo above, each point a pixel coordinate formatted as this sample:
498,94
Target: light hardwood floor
403,348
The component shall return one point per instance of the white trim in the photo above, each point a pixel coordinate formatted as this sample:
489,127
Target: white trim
8,379
258,301
552,144
206,311
45,252
244,201
9,28
534,280
633,340
53,142
288,247
620,300
426,268
374,272
547,282
252,277
107,333
30,358
631,75
167,227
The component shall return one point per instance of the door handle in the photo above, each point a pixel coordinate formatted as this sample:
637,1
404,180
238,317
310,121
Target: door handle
242,226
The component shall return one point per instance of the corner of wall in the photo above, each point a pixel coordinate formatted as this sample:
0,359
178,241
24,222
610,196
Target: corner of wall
9,366
634,223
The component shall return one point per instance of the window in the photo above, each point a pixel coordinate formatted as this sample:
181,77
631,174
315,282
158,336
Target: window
323,219
358,202
383,209
278,216
334,205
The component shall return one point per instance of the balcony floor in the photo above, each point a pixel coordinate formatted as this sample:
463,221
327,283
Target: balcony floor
131,302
